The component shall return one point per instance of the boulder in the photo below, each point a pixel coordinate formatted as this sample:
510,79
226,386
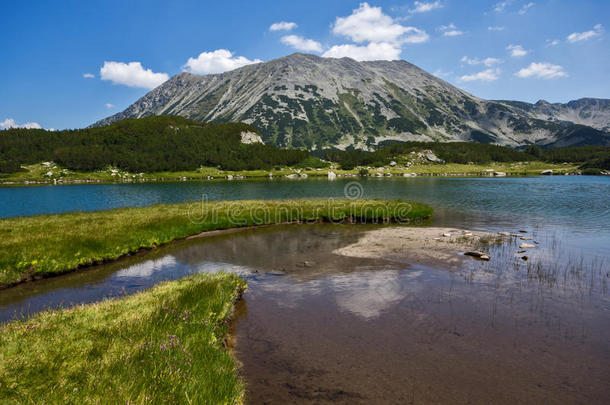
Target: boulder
332,176
526,246
478,255
504,233
499,174
392,163
548,172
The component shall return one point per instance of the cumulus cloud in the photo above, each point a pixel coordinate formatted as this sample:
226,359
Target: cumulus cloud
131,74
583,36
10,123
526,7
450,30
282,26
372,51
489,62
542,70
495,28
302,44
218,61
553,42
108,105
370,24
441,73
516,51
424,7
487,75
88,75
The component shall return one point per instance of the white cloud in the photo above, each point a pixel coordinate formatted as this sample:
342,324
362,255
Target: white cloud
370,24
583,36
218,61
302,44
553,42
489,62
441,73
108,105
450,30
372,51
495,28
282,26
10,123
131,74
542,70
526,7
500,6
424,7
88,75
516,51
487,75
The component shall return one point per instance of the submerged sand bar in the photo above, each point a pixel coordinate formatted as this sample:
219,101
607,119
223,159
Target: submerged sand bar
439,246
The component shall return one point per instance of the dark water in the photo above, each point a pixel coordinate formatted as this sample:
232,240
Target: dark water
315,327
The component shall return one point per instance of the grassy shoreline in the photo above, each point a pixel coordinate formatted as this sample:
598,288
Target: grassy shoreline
38,174
163,345
48,245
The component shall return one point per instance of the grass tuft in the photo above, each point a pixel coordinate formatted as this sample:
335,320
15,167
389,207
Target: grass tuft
164,345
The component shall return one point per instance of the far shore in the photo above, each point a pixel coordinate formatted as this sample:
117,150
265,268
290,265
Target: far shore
40,174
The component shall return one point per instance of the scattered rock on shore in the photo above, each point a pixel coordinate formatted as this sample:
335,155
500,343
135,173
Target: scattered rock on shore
478,255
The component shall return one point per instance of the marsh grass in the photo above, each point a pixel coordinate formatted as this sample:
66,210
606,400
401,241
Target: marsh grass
39,246
164,345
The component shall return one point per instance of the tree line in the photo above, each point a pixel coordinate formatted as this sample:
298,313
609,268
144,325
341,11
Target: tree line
151,144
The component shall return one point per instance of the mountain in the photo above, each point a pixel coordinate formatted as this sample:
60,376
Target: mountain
308,101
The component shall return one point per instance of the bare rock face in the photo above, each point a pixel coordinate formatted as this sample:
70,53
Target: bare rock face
251,137
311,102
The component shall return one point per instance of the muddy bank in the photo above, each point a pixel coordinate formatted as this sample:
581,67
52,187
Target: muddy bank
443,247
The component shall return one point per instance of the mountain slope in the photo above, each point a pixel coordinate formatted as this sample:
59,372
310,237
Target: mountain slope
313,102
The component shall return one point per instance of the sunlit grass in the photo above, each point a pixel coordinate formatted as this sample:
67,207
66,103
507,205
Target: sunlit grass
164,345
39,246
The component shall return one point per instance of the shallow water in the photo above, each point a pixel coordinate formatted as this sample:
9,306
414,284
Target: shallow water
315,327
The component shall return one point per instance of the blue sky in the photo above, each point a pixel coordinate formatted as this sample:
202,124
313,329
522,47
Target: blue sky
67,64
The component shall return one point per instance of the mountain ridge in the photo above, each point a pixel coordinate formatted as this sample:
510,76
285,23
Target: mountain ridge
307,101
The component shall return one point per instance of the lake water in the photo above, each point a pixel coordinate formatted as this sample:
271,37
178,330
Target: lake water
315,327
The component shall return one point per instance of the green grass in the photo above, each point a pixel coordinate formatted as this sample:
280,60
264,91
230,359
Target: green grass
164,345
39,246
39,174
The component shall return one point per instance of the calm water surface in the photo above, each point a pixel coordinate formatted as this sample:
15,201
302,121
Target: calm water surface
315,327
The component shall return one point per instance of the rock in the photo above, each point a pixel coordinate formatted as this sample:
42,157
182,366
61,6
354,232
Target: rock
525,238
521,251
522,231
392,163
332,176
478,255
548,172
516,235
250,137
446,235
229,177
430,156
526,246
409,174
524,258
291,176
499,174
304,175
504,233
